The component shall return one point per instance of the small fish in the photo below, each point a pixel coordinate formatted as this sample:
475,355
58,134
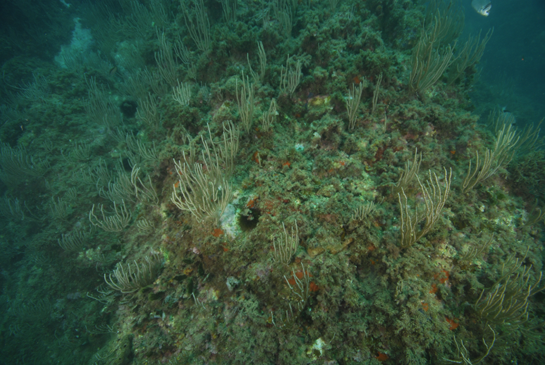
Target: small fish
482,6
506,117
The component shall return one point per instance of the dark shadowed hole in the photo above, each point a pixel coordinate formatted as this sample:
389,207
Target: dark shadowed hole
248,222
128,108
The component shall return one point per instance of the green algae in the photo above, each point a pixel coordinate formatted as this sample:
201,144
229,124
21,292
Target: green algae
221,297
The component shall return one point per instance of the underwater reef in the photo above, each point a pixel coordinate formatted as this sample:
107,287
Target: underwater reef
263,182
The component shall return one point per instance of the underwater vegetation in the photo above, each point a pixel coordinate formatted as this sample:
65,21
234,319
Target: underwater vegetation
266,182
